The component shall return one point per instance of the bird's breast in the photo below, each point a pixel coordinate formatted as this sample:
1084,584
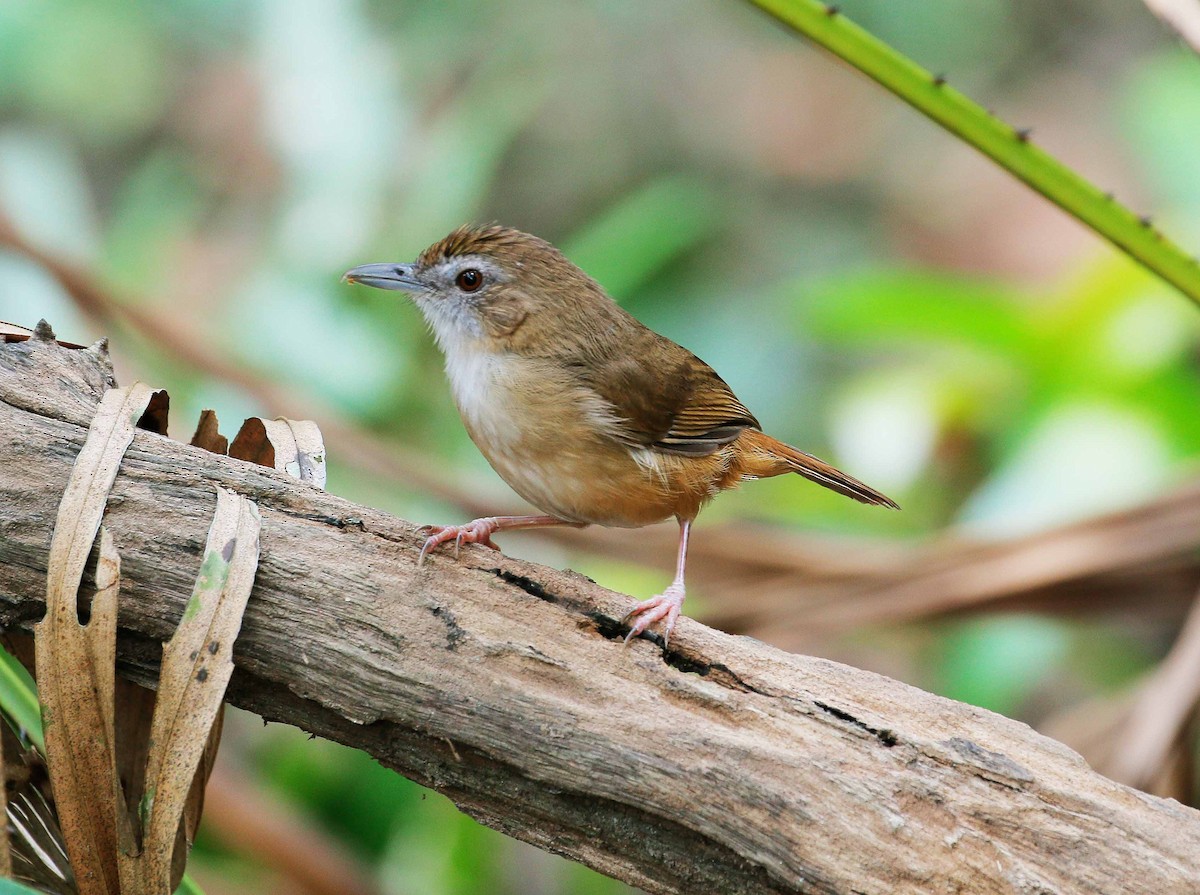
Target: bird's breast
557,444
486,388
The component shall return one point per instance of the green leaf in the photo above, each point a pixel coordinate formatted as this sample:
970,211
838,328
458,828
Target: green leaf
19,702
915,305
187,886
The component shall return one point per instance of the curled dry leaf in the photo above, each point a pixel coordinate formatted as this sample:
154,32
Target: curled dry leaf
208,435
291,446
11,332
154,417
196,667
76,663
111,849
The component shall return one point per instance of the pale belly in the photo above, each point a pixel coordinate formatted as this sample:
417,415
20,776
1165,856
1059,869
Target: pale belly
546,438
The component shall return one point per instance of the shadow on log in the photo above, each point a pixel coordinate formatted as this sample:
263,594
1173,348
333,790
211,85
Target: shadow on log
721,766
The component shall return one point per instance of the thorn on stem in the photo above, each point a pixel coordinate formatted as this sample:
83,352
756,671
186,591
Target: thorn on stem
832,9
939,80
1023,134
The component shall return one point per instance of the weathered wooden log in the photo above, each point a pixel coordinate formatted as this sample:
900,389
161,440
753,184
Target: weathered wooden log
722,765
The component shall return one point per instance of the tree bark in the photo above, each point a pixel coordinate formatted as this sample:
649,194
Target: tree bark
721,766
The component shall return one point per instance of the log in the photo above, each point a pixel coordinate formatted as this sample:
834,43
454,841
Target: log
721,765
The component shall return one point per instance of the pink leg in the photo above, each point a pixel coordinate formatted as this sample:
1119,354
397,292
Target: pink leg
667,604
480,531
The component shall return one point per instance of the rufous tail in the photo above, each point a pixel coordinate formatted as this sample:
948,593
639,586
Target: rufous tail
762,456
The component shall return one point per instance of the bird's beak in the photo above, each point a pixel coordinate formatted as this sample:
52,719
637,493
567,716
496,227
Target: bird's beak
401,277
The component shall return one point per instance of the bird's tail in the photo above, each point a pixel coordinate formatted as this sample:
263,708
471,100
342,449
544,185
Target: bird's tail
763,456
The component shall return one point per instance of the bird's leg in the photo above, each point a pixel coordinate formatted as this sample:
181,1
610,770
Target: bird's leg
667,604
480,531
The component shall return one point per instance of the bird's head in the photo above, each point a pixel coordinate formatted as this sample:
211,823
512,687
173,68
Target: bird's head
483,284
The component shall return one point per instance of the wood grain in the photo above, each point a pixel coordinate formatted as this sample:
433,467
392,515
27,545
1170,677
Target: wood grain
723,766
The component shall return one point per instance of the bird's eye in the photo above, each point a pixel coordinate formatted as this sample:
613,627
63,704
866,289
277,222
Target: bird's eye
469,280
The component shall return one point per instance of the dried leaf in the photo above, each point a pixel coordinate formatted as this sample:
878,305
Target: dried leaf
208,436
193,807
102,646
154,417
196,667
291,446
76,664
11,332
134,709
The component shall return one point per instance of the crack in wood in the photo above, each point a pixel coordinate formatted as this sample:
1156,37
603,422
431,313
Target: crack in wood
340,522
531,587
885,736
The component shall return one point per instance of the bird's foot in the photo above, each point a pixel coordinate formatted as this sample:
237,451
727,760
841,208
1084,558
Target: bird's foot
478,531
665,606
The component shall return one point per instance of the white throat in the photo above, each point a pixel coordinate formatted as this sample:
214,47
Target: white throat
455,325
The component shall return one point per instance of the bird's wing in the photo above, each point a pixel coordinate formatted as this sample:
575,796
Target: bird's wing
666,398
709,417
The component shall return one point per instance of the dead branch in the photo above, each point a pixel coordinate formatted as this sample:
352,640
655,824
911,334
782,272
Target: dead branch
723,766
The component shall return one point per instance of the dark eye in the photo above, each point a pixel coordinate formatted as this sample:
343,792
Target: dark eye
469,280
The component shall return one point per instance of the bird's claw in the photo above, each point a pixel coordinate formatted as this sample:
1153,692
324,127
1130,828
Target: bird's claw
478,531
648,612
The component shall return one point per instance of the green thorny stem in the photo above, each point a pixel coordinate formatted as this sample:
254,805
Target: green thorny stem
1007,146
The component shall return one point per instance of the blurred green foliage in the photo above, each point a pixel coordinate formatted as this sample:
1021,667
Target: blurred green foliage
875,292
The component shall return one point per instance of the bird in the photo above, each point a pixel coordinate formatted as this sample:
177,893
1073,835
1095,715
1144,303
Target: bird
588,414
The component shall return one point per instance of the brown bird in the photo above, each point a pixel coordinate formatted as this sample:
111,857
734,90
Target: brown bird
588,414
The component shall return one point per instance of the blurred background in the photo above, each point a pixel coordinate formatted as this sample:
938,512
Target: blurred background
878,294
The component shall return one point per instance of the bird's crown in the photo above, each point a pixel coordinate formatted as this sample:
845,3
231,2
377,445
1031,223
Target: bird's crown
489,240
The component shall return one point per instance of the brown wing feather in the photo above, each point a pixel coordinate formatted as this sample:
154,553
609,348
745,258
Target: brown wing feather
663,395
709,417
669,399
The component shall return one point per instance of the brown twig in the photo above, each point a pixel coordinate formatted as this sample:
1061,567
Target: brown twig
1159,716
1142,559
246,818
